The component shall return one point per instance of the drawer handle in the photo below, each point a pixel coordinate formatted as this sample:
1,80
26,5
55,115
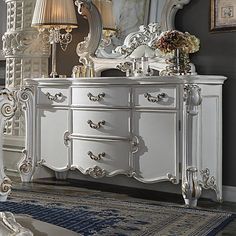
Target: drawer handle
56,97
158,98
96,98
98,157
96,126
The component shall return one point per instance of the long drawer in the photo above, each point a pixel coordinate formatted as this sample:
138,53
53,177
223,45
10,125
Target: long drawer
105,96
112,123
111,157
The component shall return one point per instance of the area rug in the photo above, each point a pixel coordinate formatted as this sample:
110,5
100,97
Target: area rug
95,215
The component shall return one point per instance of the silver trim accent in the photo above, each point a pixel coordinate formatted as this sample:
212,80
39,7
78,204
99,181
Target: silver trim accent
153,99
98,157
96,172
96,126
97,98
56,97
209,182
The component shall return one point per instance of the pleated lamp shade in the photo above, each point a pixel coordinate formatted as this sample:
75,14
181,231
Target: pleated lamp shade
49,13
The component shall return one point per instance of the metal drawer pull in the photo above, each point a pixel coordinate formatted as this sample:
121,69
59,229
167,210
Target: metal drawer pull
158,98
56,97
98,157
96,126
96,98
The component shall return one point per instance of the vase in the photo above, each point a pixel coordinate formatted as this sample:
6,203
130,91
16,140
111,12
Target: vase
178,64
191,189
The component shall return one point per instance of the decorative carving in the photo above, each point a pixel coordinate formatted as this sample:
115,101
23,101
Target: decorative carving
209,182
192,98
25,166
146,36
134,144
191,189
6,185
96,172
8,108
66,138
172,178
96,126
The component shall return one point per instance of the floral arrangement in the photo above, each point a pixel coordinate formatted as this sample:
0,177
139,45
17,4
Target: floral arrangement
170,40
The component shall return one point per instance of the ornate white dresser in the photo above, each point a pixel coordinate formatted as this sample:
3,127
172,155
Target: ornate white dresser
152,129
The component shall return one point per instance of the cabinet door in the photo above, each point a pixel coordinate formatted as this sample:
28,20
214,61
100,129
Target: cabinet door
157,156
52,152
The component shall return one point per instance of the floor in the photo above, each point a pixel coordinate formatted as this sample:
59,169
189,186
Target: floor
72,187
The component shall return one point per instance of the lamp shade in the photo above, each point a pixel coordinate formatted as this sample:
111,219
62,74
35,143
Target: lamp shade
48,13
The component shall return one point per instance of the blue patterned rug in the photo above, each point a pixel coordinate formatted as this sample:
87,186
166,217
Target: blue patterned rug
95,215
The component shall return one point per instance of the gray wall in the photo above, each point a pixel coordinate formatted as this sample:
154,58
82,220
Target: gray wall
217,56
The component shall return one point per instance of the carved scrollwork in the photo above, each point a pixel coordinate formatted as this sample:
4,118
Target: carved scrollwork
6,185
172,178
25,166
8,108
24,94
96,172
18,43
192,98
208,182
146,35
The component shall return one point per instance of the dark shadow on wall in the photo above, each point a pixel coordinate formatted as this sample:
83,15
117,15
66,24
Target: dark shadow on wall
217,56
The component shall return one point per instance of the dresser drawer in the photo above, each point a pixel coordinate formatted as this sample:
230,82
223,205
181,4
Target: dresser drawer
106,96
109,123
111,157
53,96
156,97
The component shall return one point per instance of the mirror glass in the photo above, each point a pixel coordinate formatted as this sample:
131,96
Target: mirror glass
119,18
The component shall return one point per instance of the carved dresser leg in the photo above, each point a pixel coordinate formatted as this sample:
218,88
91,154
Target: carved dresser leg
191,189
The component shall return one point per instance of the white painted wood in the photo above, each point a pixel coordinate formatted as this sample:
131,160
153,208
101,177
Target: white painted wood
51,96
113,96
116,123
51,149
148,139
115,160
169,101
157,154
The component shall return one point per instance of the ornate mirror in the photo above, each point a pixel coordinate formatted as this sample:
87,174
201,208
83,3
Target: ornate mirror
113,22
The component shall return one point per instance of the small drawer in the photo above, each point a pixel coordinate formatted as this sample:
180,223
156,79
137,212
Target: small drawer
101,123
53,96
106,96
156,97
111,157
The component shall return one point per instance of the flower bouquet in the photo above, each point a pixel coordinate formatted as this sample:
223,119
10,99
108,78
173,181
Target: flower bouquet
177,45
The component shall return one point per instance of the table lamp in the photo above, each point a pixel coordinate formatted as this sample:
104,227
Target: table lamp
55,15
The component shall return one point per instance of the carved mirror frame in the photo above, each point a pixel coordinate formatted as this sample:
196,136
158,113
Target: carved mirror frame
86,49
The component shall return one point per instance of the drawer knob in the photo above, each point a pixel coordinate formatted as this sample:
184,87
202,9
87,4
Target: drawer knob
158,98
97,98
56,97
98,157
96,126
